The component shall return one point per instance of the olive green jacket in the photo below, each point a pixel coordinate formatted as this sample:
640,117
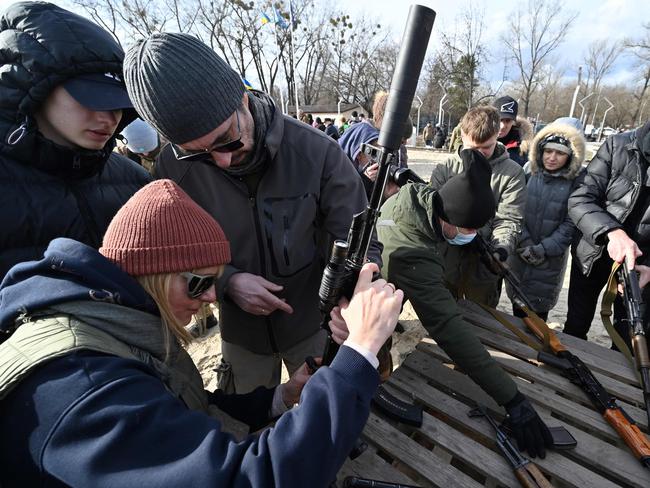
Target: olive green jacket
410,232
464,271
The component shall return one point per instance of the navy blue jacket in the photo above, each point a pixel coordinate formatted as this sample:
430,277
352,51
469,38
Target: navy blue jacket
90,419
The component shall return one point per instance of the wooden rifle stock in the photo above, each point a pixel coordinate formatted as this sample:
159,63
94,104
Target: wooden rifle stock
533,324
630,433
530,476
573,366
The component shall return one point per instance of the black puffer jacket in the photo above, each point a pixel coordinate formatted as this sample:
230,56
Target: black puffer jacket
46,190
606,197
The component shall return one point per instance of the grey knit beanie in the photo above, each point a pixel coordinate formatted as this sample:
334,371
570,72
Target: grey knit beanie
180,86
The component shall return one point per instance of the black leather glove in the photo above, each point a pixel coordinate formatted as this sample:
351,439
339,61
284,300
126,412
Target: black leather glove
534,255
500,253
528,429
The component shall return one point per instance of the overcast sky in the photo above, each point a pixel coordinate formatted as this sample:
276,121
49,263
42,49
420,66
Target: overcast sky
605,19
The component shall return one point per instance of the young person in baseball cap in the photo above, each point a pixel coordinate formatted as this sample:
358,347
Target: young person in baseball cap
63,102
114,399
515,132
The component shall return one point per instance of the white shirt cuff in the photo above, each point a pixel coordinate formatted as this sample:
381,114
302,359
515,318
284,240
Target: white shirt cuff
370,357
277,406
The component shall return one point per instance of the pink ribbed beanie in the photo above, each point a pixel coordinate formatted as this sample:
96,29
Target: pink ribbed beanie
162,230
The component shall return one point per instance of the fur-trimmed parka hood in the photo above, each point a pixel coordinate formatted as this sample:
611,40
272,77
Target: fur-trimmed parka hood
525,133
578,145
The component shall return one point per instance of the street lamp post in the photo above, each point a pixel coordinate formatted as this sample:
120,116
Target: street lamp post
417,124
602,124
583,109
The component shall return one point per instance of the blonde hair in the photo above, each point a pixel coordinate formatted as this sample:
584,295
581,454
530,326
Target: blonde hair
480,123
157,286
379,107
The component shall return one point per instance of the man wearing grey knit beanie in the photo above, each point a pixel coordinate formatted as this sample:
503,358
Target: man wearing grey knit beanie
281,189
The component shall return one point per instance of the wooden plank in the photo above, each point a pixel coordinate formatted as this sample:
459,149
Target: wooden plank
611,363
570,341
406,450
631,398
454,412
549,377
582,415
615,462
623,391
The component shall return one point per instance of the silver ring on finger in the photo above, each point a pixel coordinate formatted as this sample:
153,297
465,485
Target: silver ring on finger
392,286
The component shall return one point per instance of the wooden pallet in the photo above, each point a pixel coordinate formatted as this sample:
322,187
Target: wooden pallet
452,450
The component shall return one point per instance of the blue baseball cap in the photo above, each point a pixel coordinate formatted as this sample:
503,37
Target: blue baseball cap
99,91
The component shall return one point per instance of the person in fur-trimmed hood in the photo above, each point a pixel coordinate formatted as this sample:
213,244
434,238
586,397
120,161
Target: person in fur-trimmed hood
553,171
514,132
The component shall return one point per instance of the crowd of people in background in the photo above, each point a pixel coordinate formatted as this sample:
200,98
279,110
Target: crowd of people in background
140,188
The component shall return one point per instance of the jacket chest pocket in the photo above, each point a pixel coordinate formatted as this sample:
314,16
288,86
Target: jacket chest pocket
290,232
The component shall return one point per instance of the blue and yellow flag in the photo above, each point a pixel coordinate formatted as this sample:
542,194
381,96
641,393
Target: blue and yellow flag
247,84
264,19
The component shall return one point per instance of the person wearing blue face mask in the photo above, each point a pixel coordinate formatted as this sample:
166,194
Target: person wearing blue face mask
413,223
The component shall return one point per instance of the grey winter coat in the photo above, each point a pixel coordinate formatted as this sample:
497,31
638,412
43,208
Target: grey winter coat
282,231
603,201
546,219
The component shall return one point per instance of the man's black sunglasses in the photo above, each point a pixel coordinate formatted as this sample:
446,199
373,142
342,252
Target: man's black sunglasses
197,285
231,146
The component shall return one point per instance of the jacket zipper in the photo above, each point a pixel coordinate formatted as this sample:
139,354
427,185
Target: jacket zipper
252,200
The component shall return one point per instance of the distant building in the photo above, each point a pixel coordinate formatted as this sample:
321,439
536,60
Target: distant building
328,110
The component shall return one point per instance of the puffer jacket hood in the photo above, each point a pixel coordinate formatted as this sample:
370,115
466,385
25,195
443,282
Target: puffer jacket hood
42,46
577,147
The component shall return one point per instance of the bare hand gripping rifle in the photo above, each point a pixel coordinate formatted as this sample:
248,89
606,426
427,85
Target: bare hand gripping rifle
348,256
571,365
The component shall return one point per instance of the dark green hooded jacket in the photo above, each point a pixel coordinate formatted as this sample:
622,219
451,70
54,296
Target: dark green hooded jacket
410,233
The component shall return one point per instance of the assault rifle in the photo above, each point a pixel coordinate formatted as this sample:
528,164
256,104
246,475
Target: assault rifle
348,256
354,482
571,365
527,472
635,308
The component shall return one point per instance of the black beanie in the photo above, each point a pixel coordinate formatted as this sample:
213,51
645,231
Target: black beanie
466,200
180,86
507,107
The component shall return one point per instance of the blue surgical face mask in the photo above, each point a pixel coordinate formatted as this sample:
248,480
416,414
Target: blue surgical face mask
460,239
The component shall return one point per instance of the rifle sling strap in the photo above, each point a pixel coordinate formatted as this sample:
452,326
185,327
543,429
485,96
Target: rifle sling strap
606,305
525,338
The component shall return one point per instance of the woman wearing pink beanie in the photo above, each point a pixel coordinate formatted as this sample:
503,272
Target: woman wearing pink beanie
97,390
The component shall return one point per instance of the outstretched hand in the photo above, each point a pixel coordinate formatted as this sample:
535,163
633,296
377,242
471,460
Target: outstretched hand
256,295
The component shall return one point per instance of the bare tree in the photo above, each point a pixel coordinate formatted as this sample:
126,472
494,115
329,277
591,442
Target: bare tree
641,49
462,56
532,37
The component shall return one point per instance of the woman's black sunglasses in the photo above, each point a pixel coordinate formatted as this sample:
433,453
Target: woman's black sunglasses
231,146
197,285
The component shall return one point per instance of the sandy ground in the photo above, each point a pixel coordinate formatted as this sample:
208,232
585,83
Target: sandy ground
206,350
